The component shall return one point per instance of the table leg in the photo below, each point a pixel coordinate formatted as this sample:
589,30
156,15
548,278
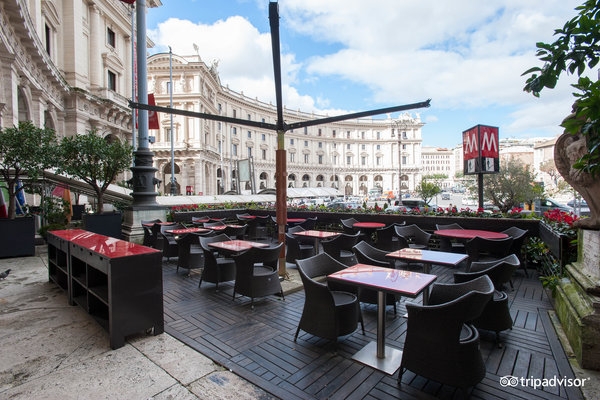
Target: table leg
377,354
427,270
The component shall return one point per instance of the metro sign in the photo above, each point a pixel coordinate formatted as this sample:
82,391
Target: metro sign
481,152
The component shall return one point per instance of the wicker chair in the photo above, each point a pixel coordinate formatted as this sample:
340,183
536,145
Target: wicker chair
387,238
340,247
519,235
347,225
235,231
189,251
327,313
149,234
309,224
496,314
447,244
256,273
166,242
297,250
481,249
200,220
367,254
440,343
416,237
216,269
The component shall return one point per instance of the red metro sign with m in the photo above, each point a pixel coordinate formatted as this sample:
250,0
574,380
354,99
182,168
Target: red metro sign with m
481,150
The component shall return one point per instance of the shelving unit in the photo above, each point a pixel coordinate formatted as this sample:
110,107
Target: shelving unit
116,282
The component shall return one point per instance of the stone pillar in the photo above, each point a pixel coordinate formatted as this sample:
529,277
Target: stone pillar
577,301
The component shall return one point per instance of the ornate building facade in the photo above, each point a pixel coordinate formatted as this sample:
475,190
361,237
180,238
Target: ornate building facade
353,156
67,65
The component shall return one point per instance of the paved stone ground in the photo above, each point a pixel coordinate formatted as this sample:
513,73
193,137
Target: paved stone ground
51,350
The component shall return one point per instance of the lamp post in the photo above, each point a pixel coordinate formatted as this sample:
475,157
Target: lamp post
400,125
173,180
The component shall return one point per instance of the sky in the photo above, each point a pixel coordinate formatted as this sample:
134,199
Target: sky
343,56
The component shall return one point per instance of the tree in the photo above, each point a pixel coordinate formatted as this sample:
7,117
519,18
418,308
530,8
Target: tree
513,186
25,151
430,186
576,50
549,167
95,160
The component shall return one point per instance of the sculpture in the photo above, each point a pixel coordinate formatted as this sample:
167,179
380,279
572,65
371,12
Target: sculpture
568,149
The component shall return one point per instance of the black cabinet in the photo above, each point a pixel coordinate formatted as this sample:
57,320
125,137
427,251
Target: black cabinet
117,282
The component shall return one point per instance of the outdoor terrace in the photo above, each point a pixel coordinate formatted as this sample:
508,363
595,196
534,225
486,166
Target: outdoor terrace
257,344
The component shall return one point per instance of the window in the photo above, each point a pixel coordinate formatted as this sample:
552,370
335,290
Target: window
378,135
363,146
234,149
110,37
219,126
378,160
264,154
234,131
306,143
363,161
348,160
306,130
320,159
219,107
332,133
220,146
347,134
291,142
320,145
234,113
334,160
348,146
249,134
249,117
320,132
48,33
249,152
263,137
112,81
292,157
378,147
362,135
306,159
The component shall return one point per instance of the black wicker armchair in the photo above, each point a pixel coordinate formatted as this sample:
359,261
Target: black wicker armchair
327,313
296,250
216,269
448,244
166,241
256,273
340,247
415,236
440,343
496,314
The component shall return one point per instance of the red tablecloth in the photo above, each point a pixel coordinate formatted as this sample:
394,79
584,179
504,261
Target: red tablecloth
470,234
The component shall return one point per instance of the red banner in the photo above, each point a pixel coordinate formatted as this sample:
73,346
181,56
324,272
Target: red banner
128,1
152,115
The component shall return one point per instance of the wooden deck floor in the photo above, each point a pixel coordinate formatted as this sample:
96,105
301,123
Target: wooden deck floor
258,345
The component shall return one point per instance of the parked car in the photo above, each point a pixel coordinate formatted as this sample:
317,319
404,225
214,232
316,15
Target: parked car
580,207
344,205
445,196
540,206
413,203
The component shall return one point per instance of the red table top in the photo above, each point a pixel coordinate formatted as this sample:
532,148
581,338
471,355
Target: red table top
222,227
159,223
470,234
317,234
428,256
406,283
105,245
246,216
296,220
237,245
368,225
186,230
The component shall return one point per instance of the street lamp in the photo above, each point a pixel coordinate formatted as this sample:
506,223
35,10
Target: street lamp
400,125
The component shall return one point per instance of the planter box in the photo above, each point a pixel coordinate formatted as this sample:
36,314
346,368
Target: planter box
107,224
17,237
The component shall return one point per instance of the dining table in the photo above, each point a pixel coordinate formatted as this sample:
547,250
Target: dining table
383,280
183,231
427,258
317,236
467,234
236,246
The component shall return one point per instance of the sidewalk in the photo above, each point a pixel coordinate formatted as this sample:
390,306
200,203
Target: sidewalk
51,350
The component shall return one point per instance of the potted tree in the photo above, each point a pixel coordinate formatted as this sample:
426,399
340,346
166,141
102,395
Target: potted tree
25,152
97,161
